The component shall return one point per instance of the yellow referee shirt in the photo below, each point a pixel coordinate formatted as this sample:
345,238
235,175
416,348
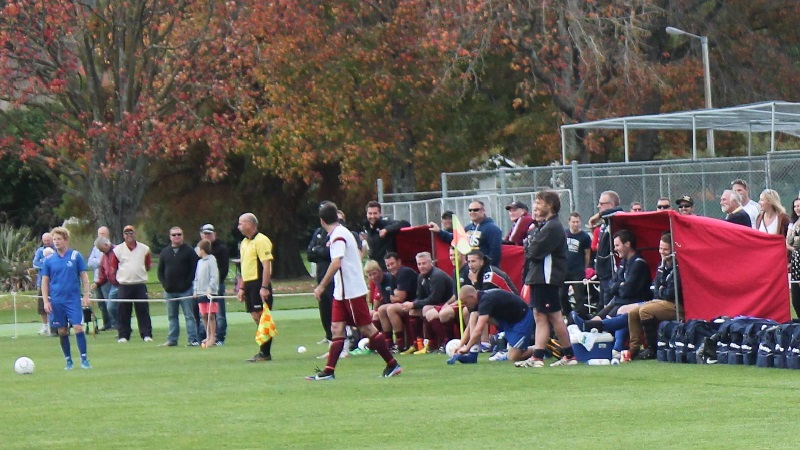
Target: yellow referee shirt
251,252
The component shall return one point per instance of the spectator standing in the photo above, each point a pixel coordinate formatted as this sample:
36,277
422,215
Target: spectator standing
685,205
319,254
579,252
93,262
607,205
752,208
637,207
63,276
663,204
731,204
133,262
222,255
381,232
793,245
38,262
773,218
483,234
521,221
205,287
256,290
106,281
445,232
176,272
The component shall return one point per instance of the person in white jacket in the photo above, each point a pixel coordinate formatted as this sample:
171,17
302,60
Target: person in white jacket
206,282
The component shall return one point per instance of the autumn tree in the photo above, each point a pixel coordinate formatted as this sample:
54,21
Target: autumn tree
111,78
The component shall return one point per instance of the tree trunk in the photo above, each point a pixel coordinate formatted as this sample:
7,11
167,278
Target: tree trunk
288,254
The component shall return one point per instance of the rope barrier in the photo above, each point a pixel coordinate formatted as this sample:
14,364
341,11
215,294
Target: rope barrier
156,300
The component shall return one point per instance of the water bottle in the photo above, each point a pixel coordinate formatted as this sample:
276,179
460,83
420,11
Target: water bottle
599,362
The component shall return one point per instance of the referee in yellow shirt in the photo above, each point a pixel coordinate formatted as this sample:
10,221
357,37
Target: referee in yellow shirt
256,260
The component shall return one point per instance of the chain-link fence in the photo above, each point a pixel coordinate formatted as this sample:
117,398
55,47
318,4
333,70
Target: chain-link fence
579,186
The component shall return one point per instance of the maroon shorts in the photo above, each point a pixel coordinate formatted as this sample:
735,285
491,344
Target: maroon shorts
354,312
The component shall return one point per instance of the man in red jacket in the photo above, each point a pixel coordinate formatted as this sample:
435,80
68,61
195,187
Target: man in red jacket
521,220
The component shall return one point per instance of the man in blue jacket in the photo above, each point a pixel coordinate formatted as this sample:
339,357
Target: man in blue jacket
483,234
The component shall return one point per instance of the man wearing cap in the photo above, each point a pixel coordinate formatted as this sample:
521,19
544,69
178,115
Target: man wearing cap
751,208
222,255
133,262
483,233
685,205
731,204
521,221
445,232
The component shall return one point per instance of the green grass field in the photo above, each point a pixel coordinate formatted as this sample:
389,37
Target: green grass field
141,396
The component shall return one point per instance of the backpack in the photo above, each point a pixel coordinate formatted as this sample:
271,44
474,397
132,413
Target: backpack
752,336
792,352
767,345
783,341
666,329
695,332
731,333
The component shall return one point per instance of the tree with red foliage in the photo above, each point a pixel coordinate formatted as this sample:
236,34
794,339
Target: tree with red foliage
114,80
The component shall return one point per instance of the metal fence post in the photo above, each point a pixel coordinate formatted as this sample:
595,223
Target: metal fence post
444,185
576,188
380,190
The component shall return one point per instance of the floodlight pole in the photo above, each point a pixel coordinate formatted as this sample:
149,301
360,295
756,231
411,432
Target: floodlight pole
707,78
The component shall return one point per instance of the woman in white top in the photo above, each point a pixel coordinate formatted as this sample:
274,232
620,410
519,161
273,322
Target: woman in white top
206,281
772,219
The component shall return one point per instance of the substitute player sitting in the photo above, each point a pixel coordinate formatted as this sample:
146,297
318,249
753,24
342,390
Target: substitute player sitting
507,311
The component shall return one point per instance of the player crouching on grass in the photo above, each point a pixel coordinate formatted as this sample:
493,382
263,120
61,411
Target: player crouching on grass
349,296
501,308
63,275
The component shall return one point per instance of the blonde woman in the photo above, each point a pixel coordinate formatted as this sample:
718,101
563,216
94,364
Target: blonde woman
772,219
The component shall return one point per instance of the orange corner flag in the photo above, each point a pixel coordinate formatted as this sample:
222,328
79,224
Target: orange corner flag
460,238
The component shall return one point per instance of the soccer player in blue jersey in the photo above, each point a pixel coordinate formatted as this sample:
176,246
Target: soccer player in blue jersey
63,276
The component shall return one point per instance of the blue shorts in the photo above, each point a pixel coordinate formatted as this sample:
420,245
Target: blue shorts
518,335
64,314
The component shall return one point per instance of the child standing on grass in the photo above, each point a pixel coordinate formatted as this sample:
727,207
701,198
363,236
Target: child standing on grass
206,282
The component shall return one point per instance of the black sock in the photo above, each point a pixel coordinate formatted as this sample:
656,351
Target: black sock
266,348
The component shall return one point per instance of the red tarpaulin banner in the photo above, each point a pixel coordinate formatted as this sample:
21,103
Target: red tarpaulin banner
412,240
725,269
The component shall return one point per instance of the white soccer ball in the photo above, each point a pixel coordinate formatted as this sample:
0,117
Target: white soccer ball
301,349
363,344
452,346
24,365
